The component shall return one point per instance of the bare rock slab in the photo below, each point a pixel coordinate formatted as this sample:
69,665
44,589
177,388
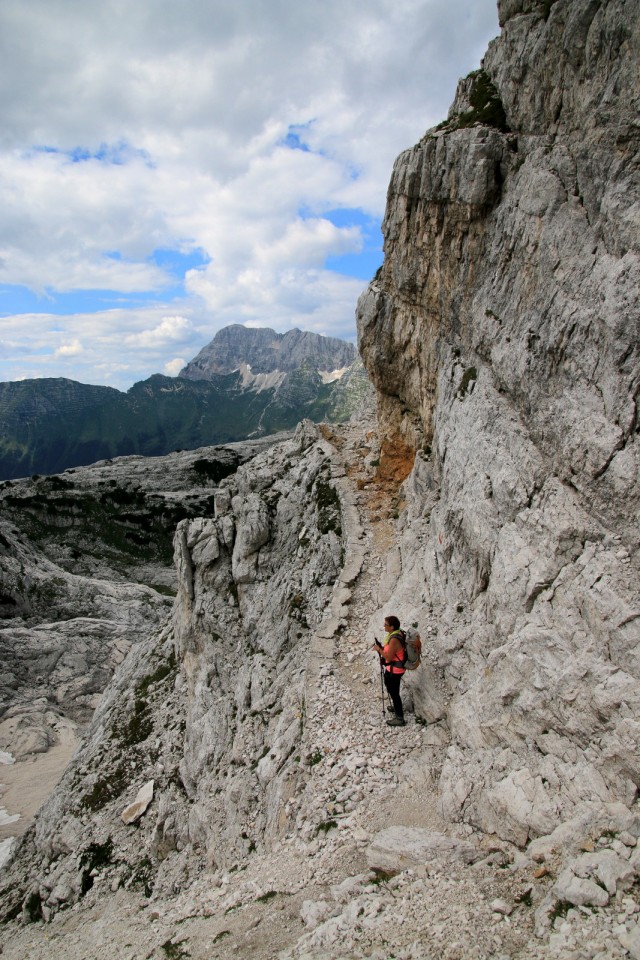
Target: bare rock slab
403,848
138,808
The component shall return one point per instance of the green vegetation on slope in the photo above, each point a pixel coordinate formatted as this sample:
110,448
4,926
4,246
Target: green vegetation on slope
50,425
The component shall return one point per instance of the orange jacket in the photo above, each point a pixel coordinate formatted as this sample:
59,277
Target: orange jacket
393,662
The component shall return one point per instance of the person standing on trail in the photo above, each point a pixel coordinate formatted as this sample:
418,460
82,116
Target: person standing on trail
392,657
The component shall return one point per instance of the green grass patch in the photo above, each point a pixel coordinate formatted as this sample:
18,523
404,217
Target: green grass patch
469,377
174,951
269,895
326,825
486,105
525,898
106,789
163,671
561,909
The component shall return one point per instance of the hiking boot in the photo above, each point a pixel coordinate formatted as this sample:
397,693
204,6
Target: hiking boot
392,710
396,722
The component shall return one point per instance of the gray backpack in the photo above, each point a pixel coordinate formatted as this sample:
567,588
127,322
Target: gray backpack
412,644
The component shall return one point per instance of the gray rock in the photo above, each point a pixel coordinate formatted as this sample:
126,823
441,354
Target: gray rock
264,352
211,708
493,334
398,848
630,940
579,891
502,907
314,912
593,820
606,868
137,809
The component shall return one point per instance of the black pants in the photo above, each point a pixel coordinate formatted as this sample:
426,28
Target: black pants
392,683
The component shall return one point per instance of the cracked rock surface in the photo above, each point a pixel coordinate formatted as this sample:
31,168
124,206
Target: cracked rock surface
347,852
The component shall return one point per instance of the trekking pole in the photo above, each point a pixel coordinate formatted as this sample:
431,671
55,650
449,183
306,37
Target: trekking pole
376,647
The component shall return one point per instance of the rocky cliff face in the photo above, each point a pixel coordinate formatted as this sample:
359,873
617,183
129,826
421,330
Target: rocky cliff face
502,335
86,561
113,520
212,707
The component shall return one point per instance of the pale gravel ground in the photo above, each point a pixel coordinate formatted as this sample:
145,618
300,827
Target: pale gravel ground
26,784
437,913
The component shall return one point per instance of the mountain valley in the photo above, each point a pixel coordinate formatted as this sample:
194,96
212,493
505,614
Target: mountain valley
49,425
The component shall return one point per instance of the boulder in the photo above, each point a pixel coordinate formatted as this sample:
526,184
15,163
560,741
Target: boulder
402,848
135,810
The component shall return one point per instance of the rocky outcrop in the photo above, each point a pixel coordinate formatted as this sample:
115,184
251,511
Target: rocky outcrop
114,519
63,635
502,336
84,576
212,707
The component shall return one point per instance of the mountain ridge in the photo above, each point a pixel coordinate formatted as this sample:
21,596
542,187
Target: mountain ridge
51,424
265,351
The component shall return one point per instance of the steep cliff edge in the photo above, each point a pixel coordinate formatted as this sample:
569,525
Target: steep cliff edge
502,335
210,708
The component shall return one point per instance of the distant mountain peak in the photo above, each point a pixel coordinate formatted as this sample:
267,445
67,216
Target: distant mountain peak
246,382
258,350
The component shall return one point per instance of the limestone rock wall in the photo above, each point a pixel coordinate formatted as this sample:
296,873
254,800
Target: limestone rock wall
254,582
502,335
61,638
208,713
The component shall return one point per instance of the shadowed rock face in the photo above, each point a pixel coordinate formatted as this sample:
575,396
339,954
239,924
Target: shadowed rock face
502,336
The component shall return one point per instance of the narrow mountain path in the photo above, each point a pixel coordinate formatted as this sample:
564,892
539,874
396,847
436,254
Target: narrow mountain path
365,776
314,896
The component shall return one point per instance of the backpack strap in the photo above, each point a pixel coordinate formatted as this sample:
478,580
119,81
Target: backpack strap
402,637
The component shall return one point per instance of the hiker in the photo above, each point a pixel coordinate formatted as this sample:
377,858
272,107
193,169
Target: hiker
392,655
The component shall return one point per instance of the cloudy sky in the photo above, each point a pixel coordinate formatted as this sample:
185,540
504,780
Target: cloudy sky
168,168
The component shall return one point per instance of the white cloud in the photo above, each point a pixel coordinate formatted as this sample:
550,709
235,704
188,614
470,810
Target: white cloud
131,128
168,330
45,345
69,350
173,367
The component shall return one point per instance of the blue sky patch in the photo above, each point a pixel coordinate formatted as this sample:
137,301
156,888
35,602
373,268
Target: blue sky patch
361,265
117,154
295,137
178,263
15,299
